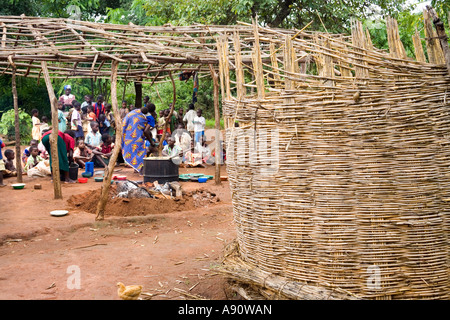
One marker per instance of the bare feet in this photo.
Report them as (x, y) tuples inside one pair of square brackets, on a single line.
[(2, 185), (70, 181)]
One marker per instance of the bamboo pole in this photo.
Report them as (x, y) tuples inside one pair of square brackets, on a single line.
[(17, 128), (418, 49), (54, 134), (257, 63), (117, 146), (218, 146)]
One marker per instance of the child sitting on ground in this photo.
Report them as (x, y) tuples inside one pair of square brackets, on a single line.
[(103, 153), (41, 147), (82, 154), (10, 168), (193, 158), (33, 159), (172, 150), (94, 138), (26, 152)]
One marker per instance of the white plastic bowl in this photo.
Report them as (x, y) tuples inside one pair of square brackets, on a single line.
[(59, 213)]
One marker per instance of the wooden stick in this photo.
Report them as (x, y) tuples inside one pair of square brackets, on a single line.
[(54, 134), (17, 128), (117, 147), (160, 146), (218, 146)]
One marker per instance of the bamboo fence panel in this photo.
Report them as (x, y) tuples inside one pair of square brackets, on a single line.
[(340, 177)]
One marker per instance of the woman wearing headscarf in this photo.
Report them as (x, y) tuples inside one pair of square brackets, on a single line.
[(135, 131), (67, 97)]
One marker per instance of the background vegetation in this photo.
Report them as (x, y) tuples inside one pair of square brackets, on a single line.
[(333, 16)]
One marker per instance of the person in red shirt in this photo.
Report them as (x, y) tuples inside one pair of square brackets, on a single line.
[(99, 107), (65, 145), (103, 153)]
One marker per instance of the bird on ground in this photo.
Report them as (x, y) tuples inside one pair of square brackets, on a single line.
[(129, 292)]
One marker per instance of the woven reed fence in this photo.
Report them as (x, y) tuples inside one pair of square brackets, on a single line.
[(339, 169)]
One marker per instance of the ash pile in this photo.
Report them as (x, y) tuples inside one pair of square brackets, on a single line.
[(138, 190)]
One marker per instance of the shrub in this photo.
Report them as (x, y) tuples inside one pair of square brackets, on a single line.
[(7, 126)]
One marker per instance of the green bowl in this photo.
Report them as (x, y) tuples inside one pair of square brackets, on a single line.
[(86, 174), (18, 185), (98, 179)]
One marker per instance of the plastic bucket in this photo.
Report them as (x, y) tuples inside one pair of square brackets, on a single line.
[(90, 167), (73, 171)]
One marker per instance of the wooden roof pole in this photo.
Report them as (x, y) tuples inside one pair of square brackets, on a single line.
[(117, 145), (54, 134), (160, 145), (54, 108), (217, 135), (16, 127)]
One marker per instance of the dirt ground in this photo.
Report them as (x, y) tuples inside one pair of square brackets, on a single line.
[(171, 249)]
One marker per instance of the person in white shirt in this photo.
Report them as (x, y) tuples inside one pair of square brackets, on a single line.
[(67, 97), (188, 119), (93, 138), (182, 138), (76, 122), (199, 127)]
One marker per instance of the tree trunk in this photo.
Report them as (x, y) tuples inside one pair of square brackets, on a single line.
[(439, 25), (218, 147), (117, 146), (138, 90), (54, 134), (17, 128)]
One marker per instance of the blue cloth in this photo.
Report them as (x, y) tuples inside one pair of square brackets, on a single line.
[(133, 143), (151, 121), (79, 132), (199, 136), (1, 146)]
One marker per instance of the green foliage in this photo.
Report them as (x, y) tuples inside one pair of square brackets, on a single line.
[(7, 125), (30, 95)]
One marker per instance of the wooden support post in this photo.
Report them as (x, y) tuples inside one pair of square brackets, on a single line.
[(54, 134), (17, 127), (117, 145), (442, 35), (160, 146), (138, 99), (218, 146)]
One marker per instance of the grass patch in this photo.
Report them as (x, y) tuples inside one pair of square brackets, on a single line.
[(210, 124)]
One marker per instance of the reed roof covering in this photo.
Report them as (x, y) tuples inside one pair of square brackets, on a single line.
[(84, 49)]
